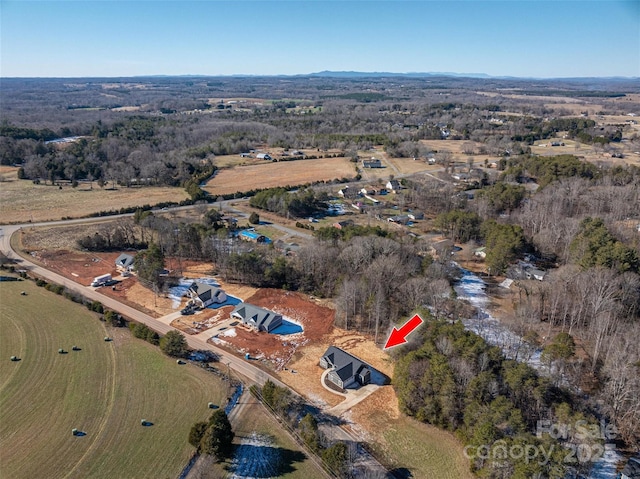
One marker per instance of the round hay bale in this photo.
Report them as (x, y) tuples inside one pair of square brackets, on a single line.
[(76, 348), (143, 422), (211, 405), (14, 358), (74, 431), (107, 338), (61, 351)]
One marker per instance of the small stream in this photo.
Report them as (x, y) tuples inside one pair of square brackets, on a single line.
[(472, 288)]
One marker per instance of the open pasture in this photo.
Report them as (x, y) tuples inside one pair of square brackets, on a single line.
[(22, 201), (407, 445), (104, 390), (282, 173)]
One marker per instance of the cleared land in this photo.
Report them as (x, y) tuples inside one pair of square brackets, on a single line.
[(22, 201), (401, 440), (104, 390), (277, 350), (282, 173)]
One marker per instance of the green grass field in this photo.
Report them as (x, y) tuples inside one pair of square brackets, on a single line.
[(104, 390), (424, 450)]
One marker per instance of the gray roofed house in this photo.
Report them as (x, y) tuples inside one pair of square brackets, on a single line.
[(632, 469), (347, 192), (394, 185), (124, 262), (203, 294), (534, 273), (346, 370), (258, 318), (399, 219), (372, 163)]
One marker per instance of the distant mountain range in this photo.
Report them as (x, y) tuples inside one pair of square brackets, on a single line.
[(353, 74)]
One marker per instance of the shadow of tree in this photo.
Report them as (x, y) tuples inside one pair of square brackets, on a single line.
[(264, 461), (323, 417), (401, 473)]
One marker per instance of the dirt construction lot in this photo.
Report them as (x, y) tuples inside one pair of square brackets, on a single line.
[(274, 349)]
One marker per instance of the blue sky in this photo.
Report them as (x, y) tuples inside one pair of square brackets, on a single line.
[(124, 38)]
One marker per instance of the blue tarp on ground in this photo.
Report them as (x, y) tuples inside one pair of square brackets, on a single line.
[(231, 301), (287, 327)]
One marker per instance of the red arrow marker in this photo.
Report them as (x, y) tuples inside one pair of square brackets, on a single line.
[(398, 336)]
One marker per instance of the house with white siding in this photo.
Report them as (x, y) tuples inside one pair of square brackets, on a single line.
[(203, 295)]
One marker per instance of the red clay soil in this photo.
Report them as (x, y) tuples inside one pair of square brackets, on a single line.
[(316, 321), (83, 267), (79, 267), (203, 320)]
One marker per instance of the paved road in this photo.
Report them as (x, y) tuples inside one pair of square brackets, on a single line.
[(365, 460)]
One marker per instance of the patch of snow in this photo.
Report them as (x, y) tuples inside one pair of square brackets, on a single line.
[(176, 293), (256, 457), (512, 345), (317, 400), (605, 467), (361, 433), (234, 399), (471, 288), (229, 333)]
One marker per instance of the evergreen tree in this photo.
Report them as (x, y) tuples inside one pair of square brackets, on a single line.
[(173, 344), (217, 440), (197, 433)]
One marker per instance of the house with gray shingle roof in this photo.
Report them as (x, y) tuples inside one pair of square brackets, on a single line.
[(203, 294), (346, 370), (124, 262), (257, 318)]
